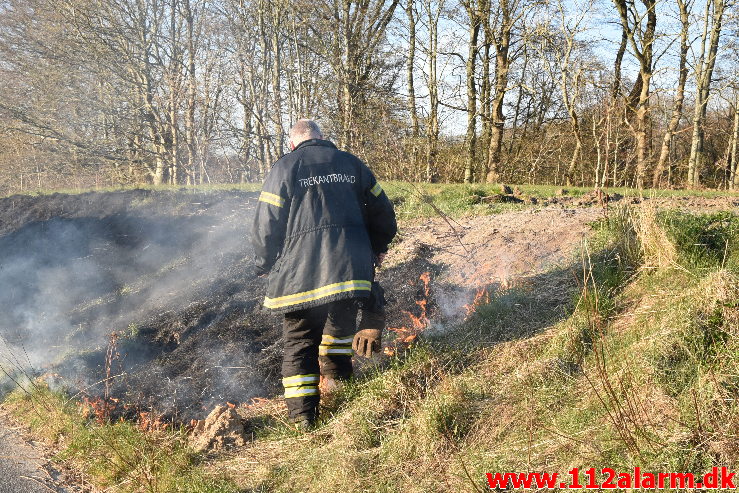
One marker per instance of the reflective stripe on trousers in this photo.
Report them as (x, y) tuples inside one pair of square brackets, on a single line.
[(335, 346), (301, 385)]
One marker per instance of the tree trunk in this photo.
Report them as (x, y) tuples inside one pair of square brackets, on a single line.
[(409, 68), (734, 154), (190, 129), (498, 118), (432, 129), (677, 109), (471, 137), (704, 73), (642, 44), (276, 89), (502, 64), (485, 89)]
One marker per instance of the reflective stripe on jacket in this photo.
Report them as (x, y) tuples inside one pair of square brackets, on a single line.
[(320, 219)]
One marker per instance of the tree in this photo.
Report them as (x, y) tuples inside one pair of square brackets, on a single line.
[(411, 15), (684, 7), (348, 34), (712, 19), (734, 146), (499, 23), (640, 28), (473, 10), (571, 68), (433, 9)]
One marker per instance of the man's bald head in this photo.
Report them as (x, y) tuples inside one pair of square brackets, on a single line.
[(304, 130)]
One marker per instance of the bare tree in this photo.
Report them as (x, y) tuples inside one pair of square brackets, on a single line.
[(712, 19), (734, 146), (640, 28), (677, 109), (473, 10), (433, 10), (499, 22), (411, 15), (348, 34), (571, 68)]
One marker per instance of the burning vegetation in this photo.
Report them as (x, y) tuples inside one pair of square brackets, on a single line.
[(144, 304), (156, 321), (405, 335)]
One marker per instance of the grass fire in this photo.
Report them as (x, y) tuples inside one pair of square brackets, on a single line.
[(521, 337)]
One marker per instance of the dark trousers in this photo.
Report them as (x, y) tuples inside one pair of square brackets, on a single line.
[(318, 341)]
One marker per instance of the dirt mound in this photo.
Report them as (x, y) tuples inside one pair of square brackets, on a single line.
[(222, 428), (500, 248)]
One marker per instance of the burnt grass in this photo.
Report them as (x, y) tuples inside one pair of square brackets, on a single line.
[(148, 299)]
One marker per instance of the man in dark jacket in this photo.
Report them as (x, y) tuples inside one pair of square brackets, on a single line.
[(322, 220)]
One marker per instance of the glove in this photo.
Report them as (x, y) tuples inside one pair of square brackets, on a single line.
[(368, 339)]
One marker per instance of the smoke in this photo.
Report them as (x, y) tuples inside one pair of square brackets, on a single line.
[(170, 281)]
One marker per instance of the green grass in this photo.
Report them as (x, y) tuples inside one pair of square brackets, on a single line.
[(115, 455), (412, 199), (703, 241), (426, 200)]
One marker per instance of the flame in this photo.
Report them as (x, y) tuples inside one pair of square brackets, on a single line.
[(482, 297), (505, 283), (408, 334), (98, 408), (258, 402), (149, 421)]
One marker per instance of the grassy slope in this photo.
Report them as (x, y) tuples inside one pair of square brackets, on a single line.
[(120, 455), (644, 371)]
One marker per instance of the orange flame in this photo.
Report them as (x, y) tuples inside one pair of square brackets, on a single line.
[(151, 422), (408, 334), (482, 297), (98, 408)]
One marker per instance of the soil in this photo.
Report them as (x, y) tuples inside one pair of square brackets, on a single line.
[(222, 428), (485, 250), (149, 300)]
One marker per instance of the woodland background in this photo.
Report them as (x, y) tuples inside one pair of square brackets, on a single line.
[(635, 93)]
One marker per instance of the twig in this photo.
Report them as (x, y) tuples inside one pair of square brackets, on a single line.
[(83, 391), (697, 412), (469, 476)]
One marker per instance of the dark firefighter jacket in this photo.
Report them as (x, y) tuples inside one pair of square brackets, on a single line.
[(320, 219)]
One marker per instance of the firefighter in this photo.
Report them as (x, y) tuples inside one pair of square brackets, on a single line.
[(322, 221)]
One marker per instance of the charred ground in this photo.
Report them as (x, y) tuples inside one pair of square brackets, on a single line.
[(149, 299), (168, 272)]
